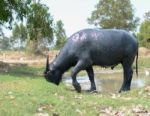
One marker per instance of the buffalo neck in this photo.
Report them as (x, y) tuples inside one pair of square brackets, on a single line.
[(63, 62)]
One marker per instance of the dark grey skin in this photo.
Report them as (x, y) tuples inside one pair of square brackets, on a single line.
[(88, 47)]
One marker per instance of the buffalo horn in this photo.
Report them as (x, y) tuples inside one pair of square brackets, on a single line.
[(47, 64)]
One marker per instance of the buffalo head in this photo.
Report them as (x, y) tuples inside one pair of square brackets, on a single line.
[(51, 74)]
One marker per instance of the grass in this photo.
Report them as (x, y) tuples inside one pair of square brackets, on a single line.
[(24, 92)]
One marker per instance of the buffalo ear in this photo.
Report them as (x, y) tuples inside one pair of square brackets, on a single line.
[(51, 67), (52, 72)]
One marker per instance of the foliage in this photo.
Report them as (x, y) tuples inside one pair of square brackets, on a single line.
[(5, 43), (39, 25), (19, 35), (39, 22), (144, 32), (10, 7), (60, 34), (147, 16), (38, 34), (11, 10), (114, 14)]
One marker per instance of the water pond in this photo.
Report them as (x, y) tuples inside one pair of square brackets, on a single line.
[(111, 81)]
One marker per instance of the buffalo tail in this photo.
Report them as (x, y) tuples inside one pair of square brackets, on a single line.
[(137, 64)]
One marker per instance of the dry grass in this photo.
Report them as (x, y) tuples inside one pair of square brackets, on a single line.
[(14, 57), (144, 52)]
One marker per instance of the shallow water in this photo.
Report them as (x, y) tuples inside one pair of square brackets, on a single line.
[(111, 82)]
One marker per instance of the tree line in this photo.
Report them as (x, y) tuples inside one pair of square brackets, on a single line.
[(34, 30), (33, 27)]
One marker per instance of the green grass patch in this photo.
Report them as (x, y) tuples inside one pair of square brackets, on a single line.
[(24, 92), (30, 96)]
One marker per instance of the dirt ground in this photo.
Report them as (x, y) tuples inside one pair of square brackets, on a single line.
[(144, 52), (16, 57)]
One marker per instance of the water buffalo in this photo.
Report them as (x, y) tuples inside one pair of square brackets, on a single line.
[(88, 47)]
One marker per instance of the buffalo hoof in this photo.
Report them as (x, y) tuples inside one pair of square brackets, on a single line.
[(92, 91), (124, 90), (77, 87)]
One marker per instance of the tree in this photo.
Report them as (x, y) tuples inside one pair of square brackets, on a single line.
[(40, 27), (117, 14), (5, 43), (144, 31), (10, 7), (60, 34), (19, 35), (147, 16)]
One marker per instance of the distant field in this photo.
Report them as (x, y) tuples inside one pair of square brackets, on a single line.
[(10, 59), (22, 57), (14, 57)]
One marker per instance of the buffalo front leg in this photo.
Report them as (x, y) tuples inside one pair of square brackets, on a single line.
[(91, 78), (81, 65)]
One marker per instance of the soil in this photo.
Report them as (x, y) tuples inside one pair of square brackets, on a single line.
[(144, 52), (22, 58)]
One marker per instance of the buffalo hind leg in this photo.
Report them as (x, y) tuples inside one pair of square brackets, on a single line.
[(81, 65), (128, 73), (90, 73)]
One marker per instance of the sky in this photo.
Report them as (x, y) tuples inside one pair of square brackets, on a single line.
[(74, 13)]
